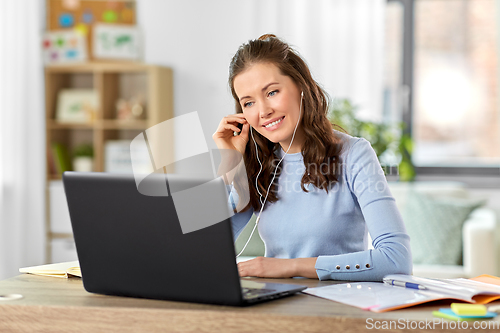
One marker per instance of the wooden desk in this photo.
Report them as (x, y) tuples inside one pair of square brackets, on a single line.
[(62, 305)]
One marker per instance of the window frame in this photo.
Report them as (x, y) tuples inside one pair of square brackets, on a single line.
[(423, 172)]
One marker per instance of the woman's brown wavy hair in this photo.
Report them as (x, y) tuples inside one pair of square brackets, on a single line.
[(321, 149)]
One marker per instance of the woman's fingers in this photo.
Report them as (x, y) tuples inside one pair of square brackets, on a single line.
[(236, 115), (229, 120), (245, 130), (232, 128), (224, 135), (267, 267), (229, 123), (226, 129)]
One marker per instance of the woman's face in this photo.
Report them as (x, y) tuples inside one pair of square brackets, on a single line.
[(270, 102)]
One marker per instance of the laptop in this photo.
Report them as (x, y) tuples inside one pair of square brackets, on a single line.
[(130, 244)]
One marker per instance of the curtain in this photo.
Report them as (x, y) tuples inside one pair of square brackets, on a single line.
[(342, 41), (22, 136)]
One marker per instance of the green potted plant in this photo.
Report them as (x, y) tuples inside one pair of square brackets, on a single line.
[(384, 138), (83, 159)]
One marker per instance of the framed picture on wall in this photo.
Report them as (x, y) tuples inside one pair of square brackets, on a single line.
[(76, 105), (114, 41), (64, 46)]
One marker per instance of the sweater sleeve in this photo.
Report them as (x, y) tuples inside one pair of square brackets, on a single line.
[(391, 252), (238, 220)]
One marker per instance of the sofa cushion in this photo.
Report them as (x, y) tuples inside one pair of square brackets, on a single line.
[(401, 190), (434, 224)]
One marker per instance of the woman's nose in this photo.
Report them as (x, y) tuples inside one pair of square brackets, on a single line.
[(265, 110)]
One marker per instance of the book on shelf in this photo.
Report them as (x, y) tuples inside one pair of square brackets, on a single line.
[(393, 294), (59, 270)]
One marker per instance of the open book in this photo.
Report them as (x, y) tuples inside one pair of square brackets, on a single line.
[(61, 270), (381, 297)]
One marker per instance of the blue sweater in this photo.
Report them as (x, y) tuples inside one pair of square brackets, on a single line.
[(334, 226)]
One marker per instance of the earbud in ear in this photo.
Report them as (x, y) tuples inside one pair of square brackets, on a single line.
[(302, 94)]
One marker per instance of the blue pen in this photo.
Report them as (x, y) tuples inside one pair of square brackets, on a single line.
[(405, 284)]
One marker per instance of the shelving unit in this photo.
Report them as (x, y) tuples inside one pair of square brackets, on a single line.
[(111, 81)]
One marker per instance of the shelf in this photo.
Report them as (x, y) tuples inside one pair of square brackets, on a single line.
[(51, 124), (60, 235), (112, 81), (113, 124), (124, 124), (98, 66)]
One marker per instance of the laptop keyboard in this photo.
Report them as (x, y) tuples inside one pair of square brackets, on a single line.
[(255, 292)]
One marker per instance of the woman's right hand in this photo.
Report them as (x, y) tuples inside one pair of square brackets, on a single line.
[(224, 135)]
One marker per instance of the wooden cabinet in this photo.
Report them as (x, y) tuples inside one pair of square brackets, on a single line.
[(110, 81)]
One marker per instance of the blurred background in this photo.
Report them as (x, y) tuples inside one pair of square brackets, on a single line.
[(418, 78)]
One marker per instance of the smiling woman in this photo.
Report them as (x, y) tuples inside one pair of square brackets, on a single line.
[(275, 83), (316, 191)]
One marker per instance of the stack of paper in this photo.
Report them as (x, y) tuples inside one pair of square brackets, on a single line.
[(60, 270), (463, 312)]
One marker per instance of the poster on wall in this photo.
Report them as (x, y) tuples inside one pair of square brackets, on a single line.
[(69, 13), (64, 46), (77, 105), (113, 41), (83, 14)]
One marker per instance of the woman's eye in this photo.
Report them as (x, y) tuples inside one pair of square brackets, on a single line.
[(272, 93), (247, 104)]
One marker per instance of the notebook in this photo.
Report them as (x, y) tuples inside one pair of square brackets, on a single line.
[(130, 244), (59, 270), (382, 297)]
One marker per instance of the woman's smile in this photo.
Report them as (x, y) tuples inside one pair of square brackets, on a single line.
[(273, 124)]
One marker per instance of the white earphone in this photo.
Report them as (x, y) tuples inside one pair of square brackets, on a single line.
[(262, 203)]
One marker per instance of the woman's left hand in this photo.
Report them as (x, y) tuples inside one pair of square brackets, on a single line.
[(265, 267)]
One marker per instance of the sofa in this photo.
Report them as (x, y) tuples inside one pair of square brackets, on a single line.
[(464, 232)]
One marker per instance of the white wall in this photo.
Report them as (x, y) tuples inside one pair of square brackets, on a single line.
[(341, 40), (197, 39)]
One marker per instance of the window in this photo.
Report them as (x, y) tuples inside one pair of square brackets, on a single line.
[(442, 79)]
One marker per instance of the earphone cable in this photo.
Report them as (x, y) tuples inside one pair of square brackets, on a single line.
[(258, 174)]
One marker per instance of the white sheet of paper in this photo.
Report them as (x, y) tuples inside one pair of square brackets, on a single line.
[(58, 268), (374, 296)]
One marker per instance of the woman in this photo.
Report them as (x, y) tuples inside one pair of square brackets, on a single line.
[(317, 192)]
